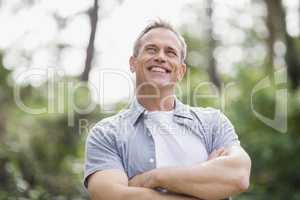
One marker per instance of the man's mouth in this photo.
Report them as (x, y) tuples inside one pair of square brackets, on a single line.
[(159, 69)]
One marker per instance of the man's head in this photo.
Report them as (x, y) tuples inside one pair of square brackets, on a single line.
[(164, 25), (158, 55)]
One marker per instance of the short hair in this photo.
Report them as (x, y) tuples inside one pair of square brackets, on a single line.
[(160, 24)]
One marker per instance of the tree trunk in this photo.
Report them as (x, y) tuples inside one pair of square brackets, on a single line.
[(93, 14), (292, 56), (275, 23), (212, 68)]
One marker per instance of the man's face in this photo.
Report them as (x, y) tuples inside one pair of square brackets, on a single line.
[(159, 60)]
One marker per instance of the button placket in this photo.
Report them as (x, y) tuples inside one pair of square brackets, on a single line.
[(152, 159), (147, 128)]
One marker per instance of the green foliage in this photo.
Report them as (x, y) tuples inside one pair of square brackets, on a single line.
[(41, 156)]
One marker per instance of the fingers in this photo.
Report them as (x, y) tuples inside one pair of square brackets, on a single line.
[(134, 182), (213, 155), (217, 153), (221, 151)]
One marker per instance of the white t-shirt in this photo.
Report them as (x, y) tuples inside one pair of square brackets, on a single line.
[(175, 145)]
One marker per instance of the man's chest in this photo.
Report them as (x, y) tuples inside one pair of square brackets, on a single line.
[(145, 149)]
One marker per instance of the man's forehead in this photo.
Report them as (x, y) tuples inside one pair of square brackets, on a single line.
[(161, 34)]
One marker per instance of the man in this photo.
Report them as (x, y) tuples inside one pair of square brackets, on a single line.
[(160, 148)]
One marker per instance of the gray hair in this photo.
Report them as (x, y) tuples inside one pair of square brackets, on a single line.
[(160, 24)]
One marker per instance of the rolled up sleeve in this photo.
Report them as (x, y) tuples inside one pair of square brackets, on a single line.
[(100, 152), (224, 134)]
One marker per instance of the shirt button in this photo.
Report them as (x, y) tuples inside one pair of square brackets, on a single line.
[(151, 160)]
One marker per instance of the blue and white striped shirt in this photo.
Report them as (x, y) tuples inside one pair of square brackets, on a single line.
[(123, 141)]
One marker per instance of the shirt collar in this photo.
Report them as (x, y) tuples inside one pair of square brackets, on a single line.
[(137, 110)]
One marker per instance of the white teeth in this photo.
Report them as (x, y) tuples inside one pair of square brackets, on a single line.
[(158, 69)]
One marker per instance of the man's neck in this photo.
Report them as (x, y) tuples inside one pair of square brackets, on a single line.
[(165, 103)]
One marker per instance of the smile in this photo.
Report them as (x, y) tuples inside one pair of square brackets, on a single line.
[(159, 69)]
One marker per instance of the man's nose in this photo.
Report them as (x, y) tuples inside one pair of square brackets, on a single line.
[(160, 57)]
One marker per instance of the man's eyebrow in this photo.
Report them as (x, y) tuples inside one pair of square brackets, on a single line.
[(168, 47), (150, 45)]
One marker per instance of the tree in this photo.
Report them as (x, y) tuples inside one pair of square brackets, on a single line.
[(277, 28), (93, 15), (275, 24), (212, 68)]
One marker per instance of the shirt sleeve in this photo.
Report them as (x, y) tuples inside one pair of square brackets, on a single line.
[(224, 134), (100, 152)]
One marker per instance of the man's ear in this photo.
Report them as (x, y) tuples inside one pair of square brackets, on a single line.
[(181, 72), (132, 63)]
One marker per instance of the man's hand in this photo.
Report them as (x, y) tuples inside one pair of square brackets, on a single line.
[(150, 178), (147, 179), (225, 173), (218, 153)]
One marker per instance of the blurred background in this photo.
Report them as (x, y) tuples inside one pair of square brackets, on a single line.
[(64, 66)]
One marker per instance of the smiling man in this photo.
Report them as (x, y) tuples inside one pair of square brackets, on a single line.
[(160, 148)]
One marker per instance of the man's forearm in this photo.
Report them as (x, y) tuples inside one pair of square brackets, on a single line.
[(121, 192), (207, 183), (138, 193), (215, 179)]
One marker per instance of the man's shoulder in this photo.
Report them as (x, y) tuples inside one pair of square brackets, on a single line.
[(204, 112), (112, 123), (207, 116), (113, 119)]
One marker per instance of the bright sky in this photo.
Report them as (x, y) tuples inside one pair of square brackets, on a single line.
[(115, 39), (118, 26), (34, 32)]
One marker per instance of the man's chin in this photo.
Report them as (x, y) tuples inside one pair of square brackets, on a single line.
[(162, 84)]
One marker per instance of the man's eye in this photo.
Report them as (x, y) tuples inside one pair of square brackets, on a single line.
[(172, 53), (151, 50)]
